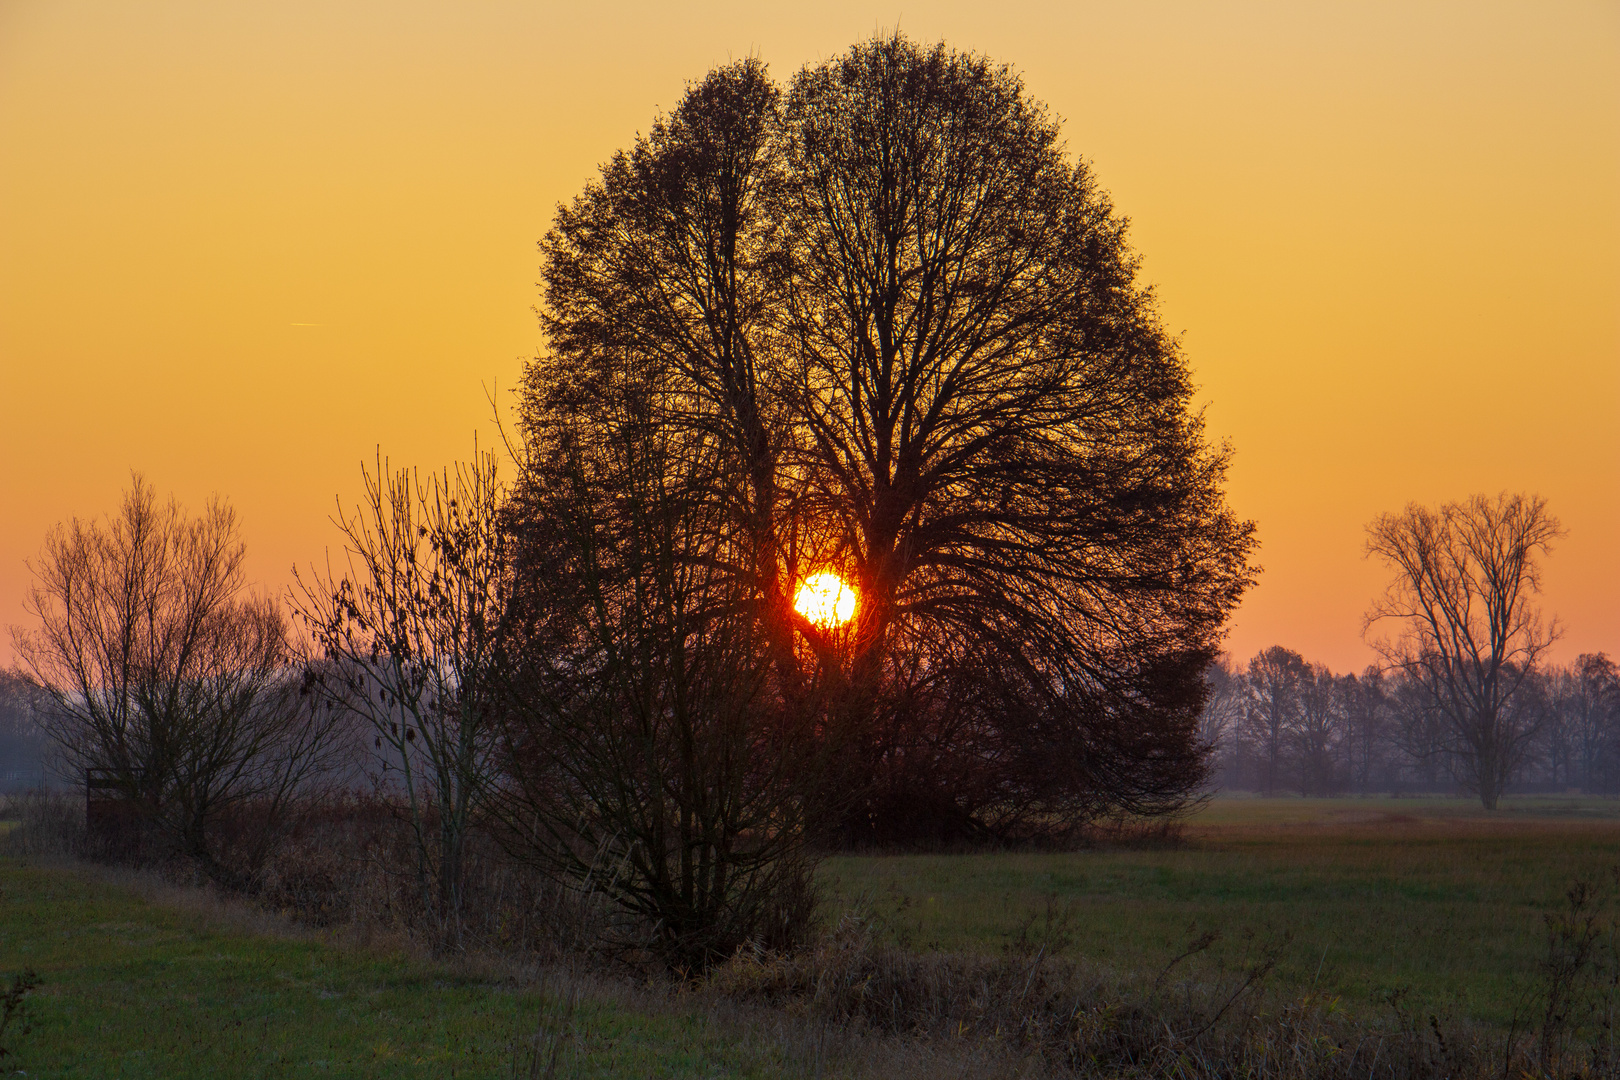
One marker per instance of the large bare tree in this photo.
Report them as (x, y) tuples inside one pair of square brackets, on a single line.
[(912, 321), (1468, 634), (168, 678), (996, 422)]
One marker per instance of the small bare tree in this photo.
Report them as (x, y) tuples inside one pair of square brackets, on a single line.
[(1591, 703), (1469, 635), (1275, 679), (646, 756), (1318, 731), (161, 671), (1365, 705), (408, 638), (1220, 722)]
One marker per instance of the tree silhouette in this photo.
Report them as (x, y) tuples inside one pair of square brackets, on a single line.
[(407, 636), (163, 675), (1470, 637), (1275, 677), (644, 750), (913, 324)]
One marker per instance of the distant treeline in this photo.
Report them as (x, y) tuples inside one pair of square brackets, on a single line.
[(1280, 724), (22, 745)]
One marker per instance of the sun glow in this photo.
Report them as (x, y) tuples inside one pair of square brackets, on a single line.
[(825, 600)]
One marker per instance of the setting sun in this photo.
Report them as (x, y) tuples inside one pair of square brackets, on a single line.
[(825, 600)]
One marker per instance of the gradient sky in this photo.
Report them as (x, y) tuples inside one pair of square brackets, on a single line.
[(243, 245)]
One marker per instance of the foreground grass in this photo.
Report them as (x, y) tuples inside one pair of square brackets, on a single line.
[(1435, 898), (1430, 897), (133, 989)]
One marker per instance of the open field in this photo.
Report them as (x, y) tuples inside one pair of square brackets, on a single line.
[(136, 989), (1431, 895)]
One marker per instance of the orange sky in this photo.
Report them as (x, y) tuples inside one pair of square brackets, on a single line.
[(242, 245)]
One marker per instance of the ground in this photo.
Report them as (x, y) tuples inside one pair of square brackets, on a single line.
[(1372, 896)]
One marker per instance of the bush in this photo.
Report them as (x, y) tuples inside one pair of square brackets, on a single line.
[(350, 860)]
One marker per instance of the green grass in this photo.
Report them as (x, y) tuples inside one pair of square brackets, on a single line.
[(1377, 894), (1432, 895), (134, 990)]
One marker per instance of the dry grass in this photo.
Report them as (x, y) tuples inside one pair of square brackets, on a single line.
[(1194, 1018)]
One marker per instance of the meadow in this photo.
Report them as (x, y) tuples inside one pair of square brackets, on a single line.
[(1362, 897), (136, 983), (1359, 898)]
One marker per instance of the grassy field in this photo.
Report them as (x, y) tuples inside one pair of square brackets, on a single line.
[(1374, 895), (135, 989)]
